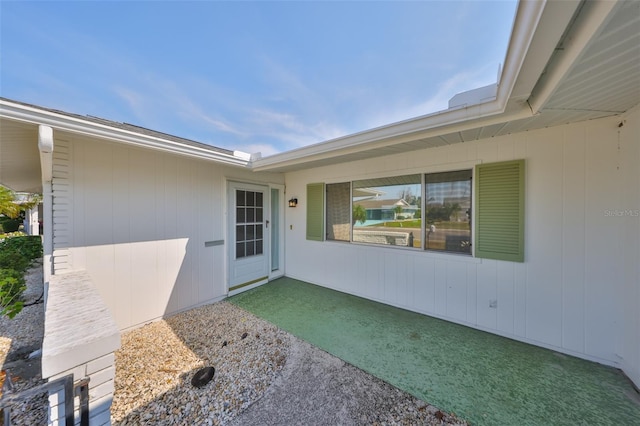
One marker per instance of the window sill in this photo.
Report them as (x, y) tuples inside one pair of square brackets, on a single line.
[(450, 256)]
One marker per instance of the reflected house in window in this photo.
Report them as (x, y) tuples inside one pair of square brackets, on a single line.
[(379, 211)]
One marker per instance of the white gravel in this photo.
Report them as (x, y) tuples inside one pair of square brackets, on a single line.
[(155, 365)]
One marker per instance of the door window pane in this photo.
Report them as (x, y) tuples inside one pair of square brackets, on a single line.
[(240, 233), (251, 198), (240, 198), (249, 223)]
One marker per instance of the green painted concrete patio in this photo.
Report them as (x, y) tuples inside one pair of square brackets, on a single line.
[(482, 378)]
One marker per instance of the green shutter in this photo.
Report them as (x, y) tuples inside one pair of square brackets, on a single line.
[(499, 213), (315, 211)]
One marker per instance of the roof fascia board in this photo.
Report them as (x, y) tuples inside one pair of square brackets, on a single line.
[(397, 138), (37, 116), (540, 36), (526, 21)]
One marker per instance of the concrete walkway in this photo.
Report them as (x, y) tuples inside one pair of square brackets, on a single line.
[(483, 378)]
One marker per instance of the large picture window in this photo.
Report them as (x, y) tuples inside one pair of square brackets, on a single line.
[(448, 211), (430, 211), (387, 211)]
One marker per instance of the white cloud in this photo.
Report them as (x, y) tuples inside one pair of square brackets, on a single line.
[(132, 98), (290, 129)]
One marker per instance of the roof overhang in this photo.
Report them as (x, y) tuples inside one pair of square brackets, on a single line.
[(23, 158), (28, 114), (549, 43), (19, 157)]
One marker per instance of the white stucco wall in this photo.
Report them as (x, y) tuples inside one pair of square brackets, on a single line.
[(578, 290), (137, 221)]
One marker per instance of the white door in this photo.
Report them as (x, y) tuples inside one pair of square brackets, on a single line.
[(249, 241)]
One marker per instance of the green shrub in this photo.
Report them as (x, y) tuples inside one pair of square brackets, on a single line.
[(19, 252), (30, 246), (9, 225), (12, 285), (11, 258)]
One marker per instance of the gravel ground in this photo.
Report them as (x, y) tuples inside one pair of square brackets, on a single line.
[(263, 376), (19, 337), (155, 365)]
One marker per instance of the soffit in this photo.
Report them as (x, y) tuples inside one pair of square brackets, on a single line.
[(20, 157), (606, 79)]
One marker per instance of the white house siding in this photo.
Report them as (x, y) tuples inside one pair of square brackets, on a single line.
[(578, 290), (628, 348), (139, 222)]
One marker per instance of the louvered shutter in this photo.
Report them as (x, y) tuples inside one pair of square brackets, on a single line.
[(315, 211), (499, 213)]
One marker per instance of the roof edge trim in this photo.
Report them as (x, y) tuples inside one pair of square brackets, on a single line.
[(24, 113)]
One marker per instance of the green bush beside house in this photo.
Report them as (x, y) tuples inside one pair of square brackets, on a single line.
[(17, 253)]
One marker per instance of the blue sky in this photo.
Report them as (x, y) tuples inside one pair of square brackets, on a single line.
[(254, 76)]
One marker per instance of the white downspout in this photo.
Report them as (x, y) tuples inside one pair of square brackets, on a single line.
[(45, 145)]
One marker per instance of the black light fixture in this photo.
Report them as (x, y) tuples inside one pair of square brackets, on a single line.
[(293, 202)]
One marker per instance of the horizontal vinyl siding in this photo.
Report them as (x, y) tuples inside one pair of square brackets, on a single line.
[(565, 295), (62, 206)]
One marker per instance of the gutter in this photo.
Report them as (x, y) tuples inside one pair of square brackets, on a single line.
[(75, 125), (397, 133)]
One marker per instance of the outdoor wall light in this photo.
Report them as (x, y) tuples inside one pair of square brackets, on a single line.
[(293, 202)]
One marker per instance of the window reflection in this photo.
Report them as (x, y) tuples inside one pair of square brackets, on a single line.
[(448, 211), (387, 211)]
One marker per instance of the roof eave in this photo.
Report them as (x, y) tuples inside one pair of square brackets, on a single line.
[(60, 122)]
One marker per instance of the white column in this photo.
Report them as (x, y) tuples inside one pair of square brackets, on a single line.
[(45, 145)]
